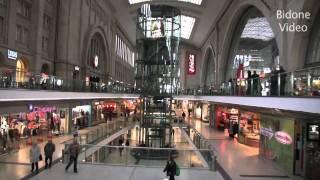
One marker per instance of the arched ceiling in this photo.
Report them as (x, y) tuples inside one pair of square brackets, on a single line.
[(205, 16)]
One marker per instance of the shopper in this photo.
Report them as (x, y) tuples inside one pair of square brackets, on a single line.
[(35, 156), (73, 150), (256, 86), (183, 115), (249, 80), (127, 142), (120, 144), (171, 168), (49, 149), (172, 132)]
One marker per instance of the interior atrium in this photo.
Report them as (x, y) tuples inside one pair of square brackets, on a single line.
[(160, 89)]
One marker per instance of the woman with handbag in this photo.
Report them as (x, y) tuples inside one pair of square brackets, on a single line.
[(35, 156)]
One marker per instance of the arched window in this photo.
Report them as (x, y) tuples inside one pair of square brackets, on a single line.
[(96, 52), (253, 46)]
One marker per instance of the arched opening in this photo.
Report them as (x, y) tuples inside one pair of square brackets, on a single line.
[(209, 70), (313, 54), (95, 62), (253, 53), (96, 52), (45, 68), (21, 70)]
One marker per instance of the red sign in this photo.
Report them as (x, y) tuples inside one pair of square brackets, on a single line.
[(191, 63), (283, 137)]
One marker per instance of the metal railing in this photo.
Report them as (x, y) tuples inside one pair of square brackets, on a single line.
[(304, 82), (144, 156), (28, 80)]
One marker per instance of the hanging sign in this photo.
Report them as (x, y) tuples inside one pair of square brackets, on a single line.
[(266, 132), (12, 54), (191, 63), (283, 137)]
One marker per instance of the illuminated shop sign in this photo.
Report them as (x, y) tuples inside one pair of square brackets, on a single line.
[(76, 68), (266, 132), (191, 68), (283, 137), (12, 54)]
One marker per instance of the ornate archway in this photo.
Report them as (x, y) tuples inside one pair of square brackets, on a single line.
[(253, 46)]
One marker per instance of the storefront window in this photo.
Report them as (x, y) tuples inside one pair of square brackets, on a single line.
[(249, 132), (81, 116), (277, 140)]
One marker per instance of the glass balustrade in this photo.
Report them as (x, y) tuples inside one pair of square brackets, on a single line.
[(305, 82), (29, 80), (144, 156)]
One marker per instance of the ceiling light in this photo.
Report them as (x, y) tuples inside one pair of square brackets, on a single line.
[(258, 28), (187, 24), (196, 2)]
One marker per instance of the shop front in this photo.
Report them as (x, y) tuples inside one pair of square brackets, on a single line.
[(38, 123), (249, 128), (81, 116), (312, 151), (226, 118), (103, 111), (277, 140)]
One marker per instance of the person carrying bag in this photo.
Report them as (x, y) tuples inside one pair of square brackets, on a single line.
[(172, 169)]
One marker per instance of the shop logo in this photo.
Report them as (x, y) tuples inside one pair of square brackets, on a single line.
[(266, 132), (191, 63), (283, 137), (12, 54)]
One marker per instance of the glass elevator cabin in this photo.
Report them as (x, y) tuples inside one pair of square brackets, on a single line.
[(158, 37)]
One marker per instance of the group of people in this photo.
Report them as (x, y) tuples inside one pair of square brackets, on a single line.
[(35, 155), (49, 149), (254, 88)]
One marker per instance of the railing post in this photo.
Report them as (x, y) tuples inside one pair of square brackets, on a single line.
[(292, 84), (279, 84), (309, 82)]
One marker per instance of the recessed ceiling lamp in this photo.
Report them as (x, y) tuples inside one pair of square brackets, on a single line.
[(196, 2)]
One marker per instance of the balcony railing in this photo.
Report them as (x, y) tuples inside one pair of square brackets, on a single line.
[(305, 82), (27, 80)]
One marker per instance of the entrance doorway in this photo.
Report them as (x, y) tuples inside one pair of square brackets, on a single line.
[(20, 71)]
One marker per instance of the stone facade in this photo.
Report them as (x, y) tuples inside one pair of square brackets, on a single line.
[(57, 36)]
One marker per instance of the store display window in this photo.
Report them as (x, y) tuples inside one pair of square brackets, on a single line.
[(249, 129), (81, 116)]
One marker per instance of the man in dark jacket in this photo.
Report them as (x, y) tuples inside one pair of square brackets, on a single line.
[(170, 168), (73, 150), (49, 149)]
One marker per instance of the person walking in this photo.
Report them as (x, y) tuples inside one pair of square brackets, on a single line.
[(73, 150), (49, 149), (183, 115), (35, 156), (172, 132), (121, 144), (170, 168)]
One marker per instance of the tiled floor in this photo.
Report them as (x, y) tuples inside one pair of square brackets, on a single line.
[(16, 165), (238, 159), (86, 171)]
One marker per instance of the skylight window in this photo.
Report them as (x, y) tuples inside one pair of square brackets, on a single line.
[(258, 28), (187, 24), (196, 2)]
